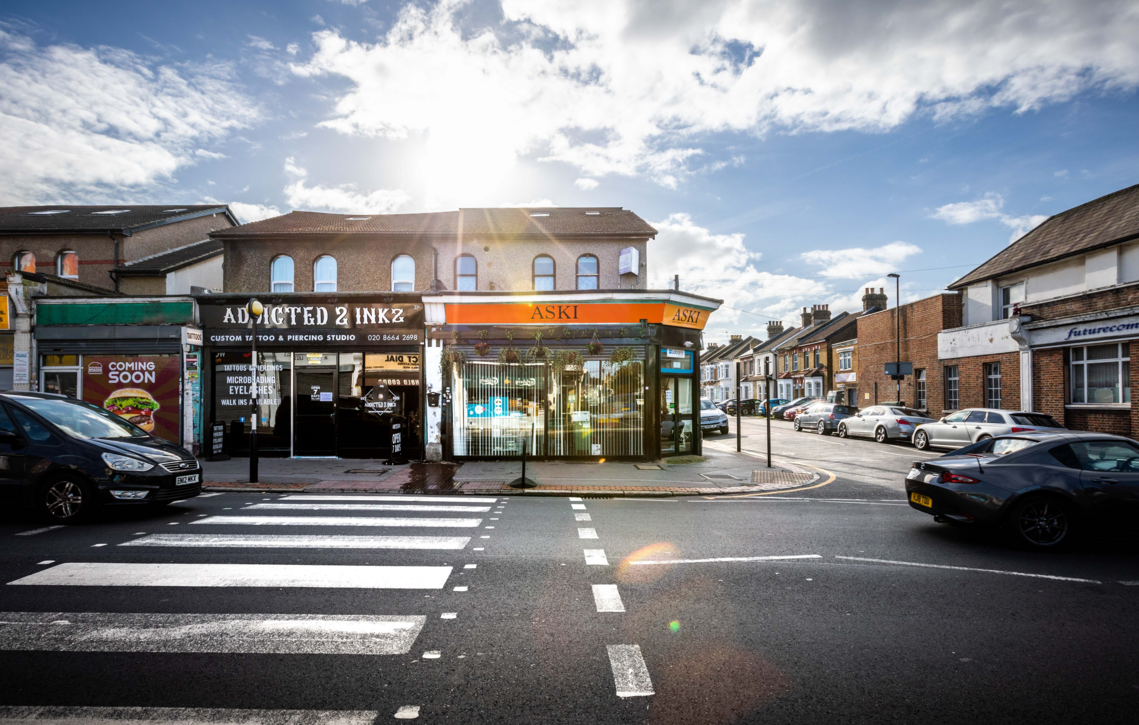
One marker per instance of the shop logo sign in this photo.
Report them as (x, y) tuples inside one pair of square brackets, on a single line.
[(95, 368), (554, 312), (1104, 330), (314, 316)]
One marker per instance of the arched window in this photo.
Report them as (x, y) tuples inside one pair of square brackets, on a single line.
[(67, 265), (587, 272), (24, 262), (282, 274), (324, 274), (466, 273), (403, 274), (543, 272)]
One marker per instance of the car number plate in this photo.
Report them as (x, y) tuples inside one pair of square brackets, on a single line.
[(922, 500), (186, 480)]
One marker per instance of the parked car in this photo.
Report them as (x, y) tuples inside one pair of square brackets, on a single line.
[(68, 458), (1043, 487), (973, 424), (747, 407), (723, 404), (761, 406), (712, 418), (823, 417), (883, 423), (777, 411), (792, 413)]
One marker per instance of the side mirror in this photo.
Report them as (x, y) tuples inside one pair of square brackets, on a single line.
[(941, 420)]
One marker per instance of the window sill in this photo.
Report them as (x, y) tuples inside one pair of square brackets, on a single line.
[(1098, 406)]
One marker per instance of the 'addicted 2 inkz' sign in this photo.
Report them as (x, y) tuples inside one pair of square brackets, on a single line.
[(348, 325)]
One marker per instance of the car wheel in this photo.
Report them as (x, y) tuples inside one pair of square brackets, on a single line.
[(921, 440), (1042, 523), (798, 425), (724, 431), (841, 430), (880, 435), (984, 438), (66, 501), (822, 428)]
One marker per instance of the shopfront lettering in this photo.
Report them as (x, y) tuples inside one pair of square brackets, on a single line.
[(686, 316), (1103, 330), (317, 315), (554, 312)]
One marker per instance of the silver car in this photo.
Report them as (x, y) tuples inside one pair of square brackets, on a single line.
[(883, 423), (973, 424)]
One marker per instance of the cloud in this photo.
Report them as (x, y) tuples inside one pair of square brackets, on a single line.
[(586, 184), (532, 204), (1062, 173), (260, 43), (988, 207), (292, 48), (342, 198), (634, 88), (317, 20), (859, 262), (349, 2), (89, 124), (202, 153), (247, 213)]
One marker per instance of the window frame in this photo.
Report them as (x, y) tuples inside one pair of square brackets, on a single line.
[(596, 276), (59, 264), (17, 258), (392, 275), (921, 401), (335, 274), (952, 387), (845, 360), (553, 275), (991, 371), (292, 281), (464, 276), (1006, 307), (1121, 359)]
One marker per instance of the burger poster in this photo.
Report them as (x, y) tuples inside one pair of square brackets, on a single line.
[(143, 389)]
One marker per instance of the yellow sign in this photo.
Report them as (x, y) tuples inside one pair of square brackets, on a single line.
[(391, 361), (4, 311), (685, 317)]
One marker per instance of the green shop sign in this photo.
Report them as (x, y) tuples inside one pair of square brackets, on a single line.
[(115, 313)]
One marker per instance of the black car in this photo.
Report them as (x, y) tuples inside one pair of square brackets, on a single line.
[(67, 458), (823, 417), (1044, 488), (747, 407)]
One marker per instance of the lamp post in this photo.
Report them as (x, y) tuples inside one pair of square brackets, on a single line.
[(255, 309), (767, 403), (897, 333)]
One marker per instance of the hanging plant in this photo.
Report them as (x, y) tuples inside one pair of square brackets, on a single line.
[(539, 351), (595, 347), (509, 355), (482, 347), (567, 363), (621, 355), (451, 359)]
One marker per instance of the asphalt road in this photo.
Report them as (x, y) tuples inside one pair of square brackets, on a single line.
[(881, 616)]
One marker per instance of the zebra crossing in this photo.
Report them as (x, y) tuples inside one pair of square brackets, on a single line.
[(409, 568)]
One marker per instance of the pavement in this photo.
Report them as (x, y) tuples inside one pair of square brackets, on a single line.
[(721, 471), (837, 603)]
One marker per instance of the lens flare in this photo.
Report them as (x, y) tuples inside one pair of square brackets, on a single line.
[(629, 574), (674, 626)]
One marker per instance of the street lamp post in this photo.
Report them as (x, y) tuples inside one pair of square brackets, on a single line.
[(767, 403), (897, 334), (255, 309)]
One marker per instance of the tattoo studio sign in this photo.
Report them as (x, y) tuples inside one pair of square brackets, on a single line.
[(340, 325)]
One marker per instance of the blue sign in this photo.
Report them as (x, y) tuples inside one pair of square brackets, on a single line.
[(496, 408)]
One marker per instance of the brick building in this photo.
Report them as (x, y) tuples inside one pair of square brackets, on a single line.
[(1048, 323), (918, 324)]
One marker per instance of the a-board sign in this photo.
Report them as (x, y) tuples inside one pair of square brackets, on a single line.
[(217, 438)]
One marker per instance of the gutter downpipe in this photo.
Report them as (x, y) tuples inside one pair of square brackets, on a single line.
[(114, 277)]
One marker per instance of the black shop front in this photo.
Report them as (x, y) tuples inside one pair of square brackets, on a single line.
[(332, 371)]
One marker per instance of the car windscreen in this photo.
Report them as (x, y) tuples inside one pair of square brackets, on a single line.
[(1036, 419), (909, 411), (83, 420), (707, 405), (846, 409)]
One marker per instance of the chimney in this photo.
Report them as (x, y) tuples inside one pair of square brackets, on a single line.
[(774, 328), (737, 338), (874, 300), (821, 313), (806, 318), (713, 345)]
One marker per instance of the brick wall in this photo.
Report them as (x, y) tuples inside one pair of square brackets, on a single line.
[(971, 380), (1103, 301), (1117, 422), (920, 322), (1050, 382)]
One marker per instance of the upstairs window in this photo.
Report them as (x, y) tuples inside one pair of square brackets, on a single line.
[(403, 274), (24, 262), (466, 273), (324, 274), (845, 360), (543, 273), (281, 273), (1101, 374), (1011, 296), (67, 265), (587, 274)]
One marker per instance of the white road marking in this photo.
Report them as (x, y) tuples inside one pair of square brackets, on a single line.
[(802, 499), (407, 712), (582, 517), (207, 495), (448, 615), (33, 532), (470, 566), (1130, 584), (175, 523), (239, 575), (45, 562), (183, 716), (587, 533), (478, 548), (967, 568), (724, 559), (460, 589), (252, 541), (432, 654), (434, 499), (489, 527), (336, 521), (630, 674), (596, 557), (574, 498), (96, 546), (577, 506), (607, 598), (138, 533), (212, 633), (366, 507)]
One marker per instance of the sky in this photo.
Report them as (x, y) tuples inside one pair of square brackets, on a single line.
[(789, 153)]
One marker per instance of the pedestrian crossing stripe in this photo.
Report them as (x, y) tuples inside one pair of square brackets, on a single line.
[(284, 541), (239, 575), (336, 521)]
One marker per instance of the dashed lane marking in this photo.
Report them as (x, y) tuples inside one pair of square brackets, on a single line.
[(587, 533), (596, 557), (967, 568), (607, 598), (577, 506), (407, 712), (630, 674), (44, 530), (582, 517)]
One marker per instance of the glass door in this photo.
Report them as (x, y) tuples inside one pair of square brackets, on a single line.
[(676, 424), (315, 423)]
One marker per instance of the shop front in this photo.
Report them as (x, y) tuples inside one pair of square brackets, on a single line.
[(565, 375), (139, 359), (334, 372)]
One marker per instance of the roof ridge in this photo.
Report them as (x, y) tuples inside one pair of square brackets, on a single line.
[(168, 251)]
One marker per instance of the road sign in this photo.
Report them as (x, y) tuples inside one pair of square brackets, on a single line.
[(907, 368)]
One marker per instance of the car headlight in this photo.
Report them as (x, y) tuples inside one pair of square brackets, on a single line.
[(126, 463)]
